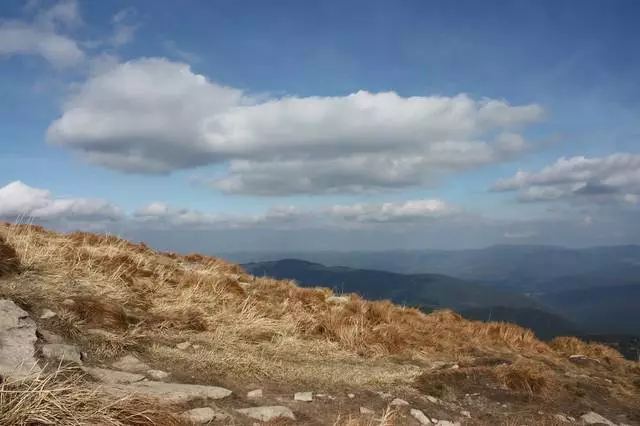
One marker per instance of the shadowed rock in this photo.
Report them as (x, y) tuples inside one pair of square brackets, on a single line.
[(17, 339)]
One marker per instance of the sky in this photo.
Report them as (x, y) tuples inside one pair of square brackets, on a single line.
[(336, 125)]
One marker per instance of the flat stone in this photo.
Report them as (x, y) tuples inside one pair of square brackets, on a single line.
[(130, 364), (561, 417), (398, 401), (184, 345), (303, 396), (112, 377), (47, 313), (367, 411), (432, 399), (157, 374), (17, 340), (466, 413), (592, 418), (200, 416), (350, 395), (264, 414), (420, 416), (177, 393), (62, 352), (255, 393), (49, 337)]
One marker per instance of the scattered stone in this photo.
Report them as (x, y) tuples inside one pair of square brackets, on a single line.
[(255, 393), (432, 399), (350, 395), (184, 345), (303, 396), (420, 416), (112, 377), (196, 347), (592, 418), (447, 423), (68, 302), (47, 313), (177, 393), (265, 414), (130, 364), (200, 416), (62, 352), (331, 397), (49, 337), (398, 401), (434, 420), (385, 395), (101, 333), (561, 417), (157, 374), (366, 411), (466, 413), (17, 339), (571, 419), (455, 367), (338, 299)]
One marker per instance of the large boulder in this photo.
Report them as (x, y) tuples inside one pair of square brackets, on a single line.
[(177, 393), (17, 339)]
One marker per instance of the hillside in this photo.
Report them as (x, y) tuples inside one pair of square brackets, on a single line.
[(428, 291), (199, 320)]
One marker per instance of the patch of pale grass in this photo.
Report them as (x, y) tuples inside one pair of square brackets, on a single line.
[(388, 418)]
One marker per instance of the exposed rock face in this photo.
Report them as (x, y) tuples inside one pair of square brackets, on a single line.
[(62, 352), (17, 339), (303, 396), (169, 392), (113, 377), (131, 364), (592, 418), (264, 414)]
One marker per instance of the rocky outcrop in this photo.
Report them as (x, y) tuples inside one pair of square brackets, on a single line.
[(17, 339), (169, 392)]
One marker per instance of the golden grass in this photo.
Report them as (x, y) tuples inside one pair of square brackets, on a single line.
[(62, 398), (9, 263)]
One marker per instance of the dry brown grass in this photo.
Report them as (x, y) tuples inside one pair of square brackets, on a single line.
[(388, 418), (260, 328), (9, 263), (63, 398)]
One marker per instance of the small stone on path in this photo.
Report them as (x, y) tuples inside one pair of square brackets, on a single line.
[(366, 411), (592, 418), (257, 393), (157, 374), (112, 376), (130, 364), (350, 395), (420, 416), (303, 396), (399, 401), (184, 345), (264, 414), (200, 416), (47, 313)]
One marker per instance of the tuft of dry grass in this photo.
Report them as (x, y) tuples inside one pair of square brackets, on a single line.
[(9, 263), (62, 398), (388, 418), (568, 346)]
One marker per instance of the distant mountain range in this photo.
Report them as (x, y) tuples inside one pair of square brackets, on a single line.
[(426, 291)]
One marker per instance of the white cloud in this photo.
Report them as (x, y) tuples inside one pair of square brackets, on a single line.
[(520, 235), (153, 115), (409, 211), (20, 200), (613, 178)]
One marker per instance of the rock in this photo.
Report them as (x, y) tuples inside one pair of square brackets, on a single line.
[(432, 399), (350, 395), (466, 413), (366, 411), (62, 352), (130, 364), (68, 302), (199, 416), (257, 393), (398, 401), (17, 339), (455, 367), (385, 395), (184, 345), (112, 377), (447, 423), (592, 418), (157, 374), (177, 393), (265, 414), (561, 418), (420, 416), (49, 337), (303, 396), (47, 313), (338, 299), (571, 419), (196, 347)]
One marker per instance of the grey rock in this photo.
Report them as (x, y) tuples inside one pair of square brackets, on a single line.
[(257, 393), (184, 345), (17, 339), (62, 352), (366, 411), (130, 364), (561, 418), (200, 416), (112, 376), (47, 313), (432, 399), (466, 413), (264, 414), (157, 374), (68, 302), (592, 418), (303, 396), (350, 395), (398, 401), (177, 393), (385, 395), (49, 337), (420, 416)]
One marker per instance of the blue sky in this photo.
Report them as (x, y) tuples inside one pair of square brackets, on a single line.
[(382, 124)]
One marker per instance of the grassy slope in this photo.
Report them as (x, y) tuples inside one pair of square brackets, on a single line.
[(259, 329)]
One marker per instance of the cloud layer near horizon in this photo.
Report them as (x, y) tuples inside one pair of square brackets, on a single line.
[(153, 115)]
